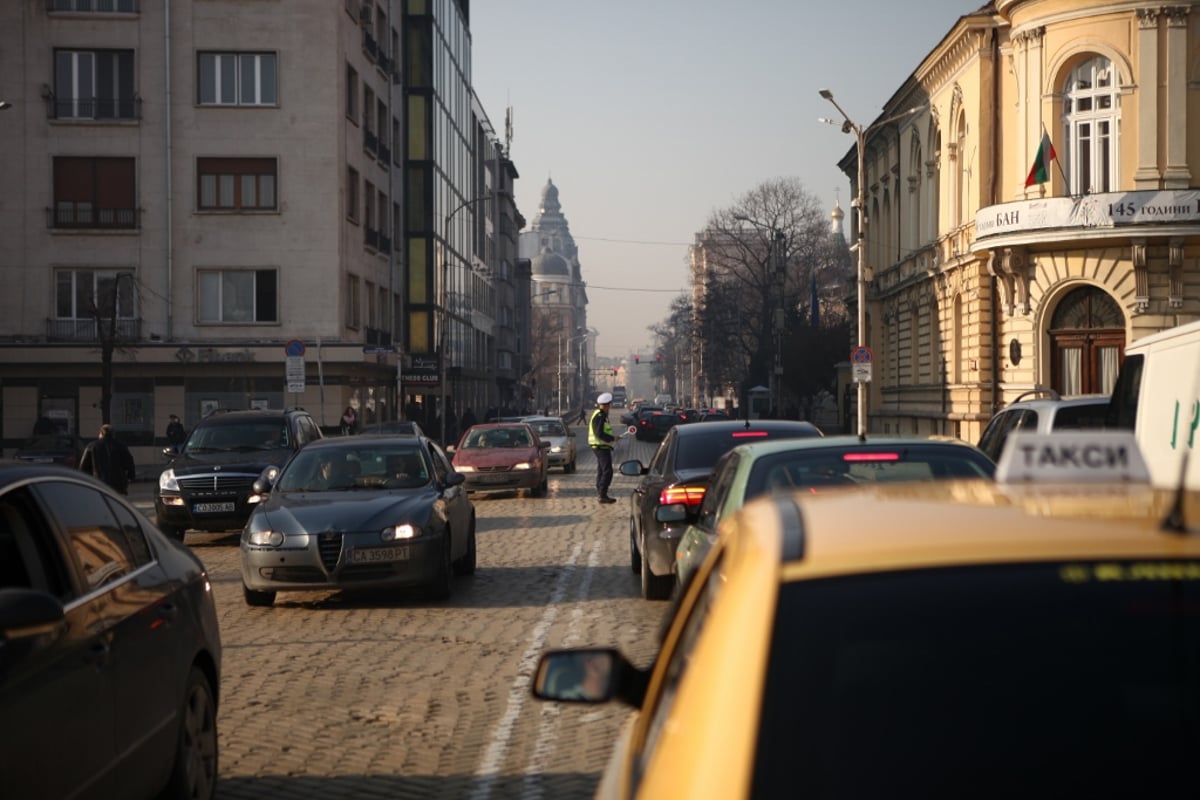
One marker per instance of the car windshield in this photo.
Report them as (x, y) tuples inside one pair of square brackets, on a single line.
[(705, 449), (827, 467), (498, 437), (381, 467), (49, 443), (550, 428), (1080, 677), (239, 437)]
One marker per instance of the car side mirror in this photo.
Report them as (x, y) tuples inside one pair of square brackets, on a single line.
[(454, 478), (28, 612), (633, 468), (170, 453), (544, 446), (675, 512)]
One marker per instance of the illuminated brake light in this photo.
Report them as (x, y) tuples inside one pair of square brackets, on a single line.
[(871, 457), (687, 495), (749, 434)]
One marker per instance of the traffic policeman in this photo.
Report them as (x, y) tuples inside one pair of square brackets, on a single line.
[(600, 439)]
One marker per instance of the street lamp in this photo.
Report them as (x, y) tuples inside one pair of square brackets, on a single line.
[(860, 203), (560, 362), (445, 311)]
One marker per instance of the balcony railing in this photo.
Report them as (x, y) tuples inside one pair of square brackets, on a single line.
[(385, 153), (93, 108), (372, 238), (385, 244), (94, 6), (370, 142), (86, 329), (385, 63), (370, 46), (84, 215), (377, 337)]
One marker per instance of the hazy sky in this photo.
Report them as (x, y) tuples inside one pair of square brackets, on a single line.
[(650, 114)]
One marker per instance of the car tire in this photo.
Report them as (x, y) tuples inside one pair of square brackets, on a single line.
[(194, 772), (256, 598), (542, 489), (570, 467), (443, 580), (466, 564), (635, 557), (655, 587)]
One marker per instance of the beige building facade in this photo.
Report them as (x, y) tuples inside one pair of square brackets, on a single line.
[(987, 280)]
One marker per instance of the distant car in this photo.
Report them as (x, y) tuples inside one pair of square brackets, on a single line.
[(208, 484), (503, 457), (393, 427), (711, 415), (51, 448), (669, 493), (110, 649), (359, 512), (946, 639), (653, 422), (1042, 411), (562, 452), (816, 465)]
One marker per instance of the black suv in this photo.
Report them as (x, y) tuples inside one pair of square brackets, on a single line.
[(210, 480)]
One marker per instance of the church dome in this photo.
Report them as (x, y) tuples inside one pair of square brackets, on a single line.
[(550, 263), (550, 198)]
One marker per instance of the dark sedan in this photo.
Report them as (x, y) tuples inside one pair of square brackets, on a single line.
[(678, 476), (359, 512), (51, 448), (110, 653)]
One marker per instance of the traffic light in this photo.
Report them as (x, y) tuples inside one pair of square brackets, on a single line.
[(614, 373), (637, 359)]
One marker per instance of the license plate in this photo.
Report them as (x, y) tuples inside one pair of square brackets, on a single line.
[(212, 508), (369, 555)]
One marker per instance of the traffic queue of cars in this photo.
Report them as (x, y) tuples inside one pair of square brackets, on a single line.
[(1033, 635)]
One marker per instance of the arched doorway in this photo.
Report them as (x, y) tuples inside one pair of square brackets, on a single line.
[(1087, 342)]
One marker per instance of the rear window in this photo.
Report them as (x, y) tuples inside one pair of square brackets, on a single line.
[(1079, 679), (816, 469), (1081, 416), (700, 451)]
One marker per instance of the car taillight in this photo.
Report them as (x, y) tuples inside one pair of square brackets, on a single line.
[(749, 434), (687, 495), (871, 457)]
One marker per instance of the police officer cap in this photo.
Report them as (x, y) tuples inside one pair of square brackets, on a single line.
[(604, 399)]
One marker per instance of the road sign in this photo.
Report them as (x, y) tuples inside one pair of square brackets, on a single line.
[(295, 374), (860, 373), (861, 355), (294, 348)]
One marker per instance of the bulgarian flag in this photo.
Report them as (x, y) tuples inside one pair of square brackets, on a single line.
[(1040, 171)]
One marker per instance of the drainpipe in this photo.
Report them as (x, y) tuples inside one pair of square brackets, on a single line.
[(992, 200), (168, 158)]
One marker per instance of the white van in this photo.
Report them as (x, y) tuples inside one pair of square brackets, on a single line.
[(1158, 396)]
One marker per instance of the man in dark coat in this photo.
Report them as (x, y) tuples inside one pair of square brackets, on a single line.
[(109, 460), (176, 435)]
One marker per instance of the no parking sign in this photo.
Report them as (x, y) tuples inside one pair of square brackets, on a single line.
[(860, 364)]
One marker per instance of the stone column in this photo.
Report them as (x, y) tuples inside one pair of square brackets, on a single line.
[(1177, 175), (1146, 176)]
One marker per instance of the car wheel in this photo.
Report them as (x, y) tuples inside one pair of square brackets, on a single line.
[(542, 489), (569, 467), (260, 599), (655, 587), (466, 564), (443, 579), (194, 773), (635, 558)]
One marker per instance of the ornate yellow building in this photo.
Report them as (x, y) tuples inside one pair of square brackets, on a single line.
[(986, 281)]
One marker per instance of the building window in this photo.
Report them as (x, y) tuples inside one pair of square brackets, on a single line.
[(352, 93), (238, 296), (95, 6), (371, 232), (353, 313), (1092, 115), (93, 84), (352, 194), (94, 193), (237, 79), (236, 184), (90, 293)]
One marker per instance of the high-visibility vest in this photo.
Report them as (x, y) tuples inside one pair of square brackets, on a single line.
[(593, 439)]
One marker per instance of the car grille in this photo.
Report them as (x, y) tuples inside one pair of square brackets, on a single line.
[(215, 483), (329, 545), (500, 468), (296, 574), (367, 572)]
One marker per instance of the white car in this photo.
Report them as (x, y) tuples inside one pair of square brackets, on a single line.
[(561, 439), (1043, 412)]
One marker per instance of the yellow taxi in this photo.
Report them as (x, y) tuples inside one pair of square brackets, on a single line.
[(1035, 636)]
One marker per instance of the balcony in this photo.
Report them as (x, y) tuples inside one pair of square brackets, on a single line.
[(385, 63), (372, 238), (92, 108), (84, 216), (377, 337), (385, 154), (385, 244), (85, 330), (370, 142), (370, 46), (94, 6)]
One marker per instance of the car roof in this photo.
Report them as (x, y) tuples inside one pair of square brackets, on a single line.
[(541, 419), (494, 425), (221, 416), (960, 522), (764, 447), (1058, 402), (356, 441), (733, 425)]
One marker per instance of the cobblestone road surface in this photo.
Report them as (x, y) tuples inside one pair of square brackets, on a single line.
[(330, 695)]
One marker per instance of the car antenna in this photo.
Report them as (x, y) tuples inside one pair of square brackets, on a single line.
[(1174, 522)]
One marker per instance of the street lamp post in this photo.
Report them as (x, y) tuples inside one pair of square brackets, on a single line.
[(860, 203), (445, 311)]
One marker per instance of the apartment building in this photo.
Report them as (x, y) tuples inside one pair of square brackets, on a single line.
[(206, 203), (991, 269)]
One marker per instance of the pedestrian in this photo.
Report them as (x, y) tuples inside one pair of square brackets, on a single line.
[(600, 439), (176, 435), (583, 415), (349, 421), (468, 419), (43, 426), (109, 460)]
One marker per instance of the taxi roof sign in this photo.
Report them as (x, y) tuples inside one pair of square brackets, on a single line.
[(1083, 456)]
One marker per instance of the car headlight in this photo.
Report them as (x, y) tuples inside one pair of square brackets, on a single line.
[(556, 448), (523, 465), (266, 538), (464, 468), (404, 531), (167, 482)]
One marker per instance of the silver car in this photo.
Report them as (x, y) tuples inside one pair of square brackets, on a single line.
[(561, 439)]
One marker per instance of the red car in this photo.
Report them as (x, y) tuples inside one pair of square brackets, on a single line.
[(502, 457)]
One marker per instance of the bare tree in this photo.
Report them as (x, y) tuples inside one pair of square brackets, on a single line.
[(543, 355), (110, 297)]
